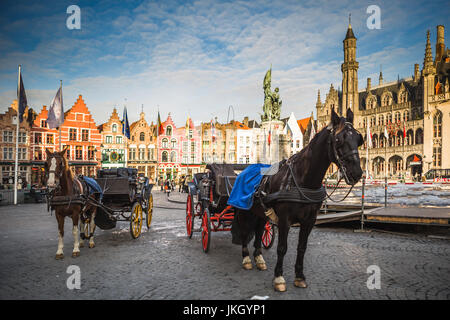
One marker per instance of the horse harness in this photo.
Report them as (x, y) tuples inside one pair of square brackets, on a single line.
[(301, 194), (81, 197)]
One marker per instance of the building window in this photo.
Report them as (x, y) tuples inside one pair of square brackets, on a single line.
[(142, 136), (7, 153), (173, 156), (141, 153), (68, 152), (38, 154), (79, 153), (84, 135), (173, 143), (22, 137), (164, 157), (114, 128), (151, 154), (132, 153), (169, 131), (7, 136), (119, 140), (406, 116), (43, 124), (73, 134), (437, 156), (50, 139), (437, 125), (108, 139), (165, 143), (91, 153), (38, 138)]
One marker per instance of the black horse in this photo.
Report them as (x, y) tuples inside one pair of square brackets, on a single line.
[(302, 172)]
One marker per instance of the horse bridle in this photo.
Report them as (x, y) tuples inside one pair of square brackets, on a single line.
[(340, 160)]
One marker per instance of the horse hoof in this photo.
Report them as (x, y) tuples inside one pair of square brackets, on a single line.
[(75, 254), (247, 266), (280, 287), (91, 245), (59, 256), (300, 283), (261, 266), (279, 284)]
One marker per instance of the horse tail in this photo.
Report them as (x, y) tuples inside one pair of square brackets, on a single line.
[(244, 224), (236, 229)]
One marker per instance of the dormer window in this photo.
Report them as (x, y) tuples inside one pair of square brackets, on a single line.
[(169, 131)]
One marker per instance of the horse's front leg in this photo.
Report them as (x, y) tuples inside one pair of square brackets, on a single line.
[(257, 254), (283, 230), (92, 229), (82, 232), (76, 237), (60, 251), (305, 230)]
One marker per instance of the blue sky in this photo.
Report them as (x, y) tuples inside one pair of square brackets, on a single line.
[(198, 57)]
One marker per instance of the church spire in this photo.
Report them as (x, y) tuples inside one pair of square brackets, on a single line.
[(350, 34), (428, 59), (380, 78), (319, 102)]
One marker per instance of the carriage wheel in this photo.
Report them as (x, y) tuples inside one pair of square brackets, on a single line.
[(149, 212), (136, 220), (189, 216), (268, 235), (206, 230)]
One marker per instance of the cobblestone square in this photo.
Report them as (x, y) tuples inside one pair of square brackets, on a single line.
[(164, 264)]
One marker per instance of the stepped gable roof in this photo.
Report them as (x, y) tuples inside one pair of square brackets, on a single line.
[(393, 87)]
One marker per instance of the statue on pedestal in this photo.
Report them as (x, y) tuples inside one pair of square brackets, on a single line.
[(272, 101)]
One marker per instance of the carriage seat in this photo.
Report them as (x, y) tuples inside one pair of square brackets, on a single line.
[(224, 185)]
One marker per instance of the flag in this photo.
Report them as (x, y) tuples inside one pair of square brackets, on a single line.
[(56, 113), (270, 136), (159, 127), (369, 136), (386, 135), (125, 125), (21, 98)]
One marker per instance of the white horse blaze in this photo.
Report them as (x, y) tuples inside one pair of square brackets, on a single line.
[(51, 175)]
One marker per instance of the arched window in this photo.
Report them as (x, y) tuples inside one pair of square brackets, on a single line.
[(386, 100), (437, 125), (165, 143), (173, 143), (389, 118), (402, 97), (173, 156), (381, 120), (406, 116), (169, 131), (142, 136), (165, 156), (419, 136), (397, 117), (114, 127)]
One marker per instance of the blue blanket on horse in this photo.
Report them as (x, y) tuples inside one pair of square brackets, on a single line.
[(93, 186), (244, 187)]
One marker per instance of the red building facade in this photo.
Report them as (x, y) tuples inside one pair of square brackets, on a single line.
[(78, 131)]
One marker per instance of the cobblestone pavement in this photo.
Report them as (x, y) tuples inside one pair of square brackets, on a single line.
[(164, 264)]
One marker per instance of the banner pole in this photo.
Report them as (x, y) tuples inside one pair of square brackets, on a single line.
[(17, 139)]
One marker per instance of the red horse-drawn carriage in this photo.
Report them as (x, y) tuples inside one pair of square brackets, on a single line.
[(207, 201)]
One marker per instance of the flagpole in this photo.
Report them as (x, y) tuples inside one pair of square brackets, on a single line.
[(17, 138), (59, 129)]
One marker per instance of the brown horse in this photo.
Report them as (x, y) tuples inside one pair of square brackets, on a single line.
[(302, 173), (71, 193)]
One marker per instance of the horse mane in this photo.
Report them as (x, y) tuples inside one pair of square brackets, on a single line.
[(67, 168)]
